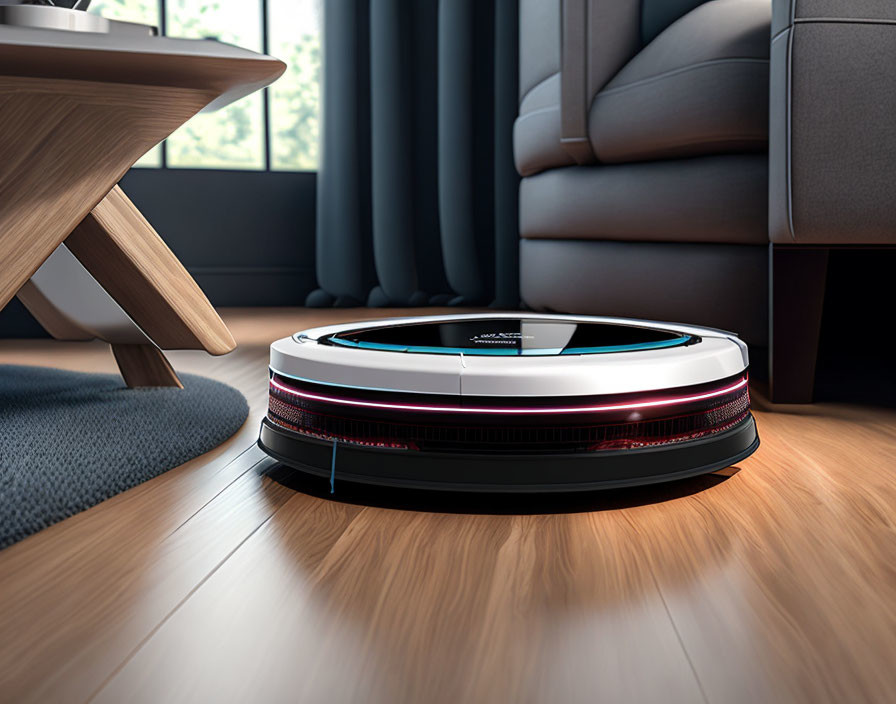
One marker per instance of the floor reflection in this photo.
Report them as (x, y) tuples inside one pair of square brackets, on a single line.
[(495, 503)]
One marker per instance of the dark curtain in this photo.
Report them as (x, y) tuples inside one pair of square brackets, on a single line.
[(417, 193)]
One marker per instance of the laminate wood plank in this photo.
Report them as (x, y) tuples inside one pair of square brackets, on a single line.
[(786, 591), (144, 365), (90, 627), (413, 607), (277, 576), (134, 265)]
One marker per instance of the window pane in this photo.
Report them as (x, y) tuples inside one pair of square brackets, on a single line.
[(233, 137), (152, 158), (142, 11), (294, 37)]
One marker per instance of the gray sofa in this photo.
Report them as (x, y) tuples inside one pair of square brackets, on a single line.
[(650, 187)]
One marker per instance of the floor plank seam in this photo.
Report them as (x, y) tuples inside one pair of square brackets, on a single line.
[(143, 641), (224, 488), (684, 650)]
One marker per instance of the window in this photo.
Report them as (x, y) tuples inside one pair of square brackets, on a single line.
[(276, 129)]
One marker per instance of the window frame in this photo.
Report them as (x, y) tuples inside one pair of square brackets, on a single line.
[(162, 6)]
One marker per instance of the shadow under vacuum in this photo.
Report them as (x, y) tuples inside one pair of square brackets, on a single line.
[(436, 501)]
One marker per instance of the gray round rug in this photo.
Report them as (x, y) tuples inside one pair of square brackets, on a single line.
[(70, 440)]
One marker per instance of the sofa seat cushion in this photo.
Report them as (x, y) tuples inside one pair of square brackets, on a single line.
[(700, 87), (704, 284), (721, 199)]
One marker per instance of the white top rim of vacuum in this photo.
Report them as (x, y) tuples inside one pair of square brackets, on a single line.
[(719, 355)]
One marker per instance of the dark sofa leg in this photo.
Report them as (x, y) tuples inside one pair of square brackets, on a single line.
[(796, 298)]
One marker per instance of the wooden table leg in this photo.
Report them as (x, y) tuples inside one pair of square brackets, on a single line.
[(140, 365), (144, 365), (133, 264), (116, 280)]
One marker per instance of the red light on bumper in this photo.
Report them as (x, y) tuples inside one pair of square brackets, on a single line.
[(403, 421)]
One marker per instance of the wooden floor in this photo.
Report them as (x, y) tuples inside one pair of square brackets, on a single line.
[(215, 583)]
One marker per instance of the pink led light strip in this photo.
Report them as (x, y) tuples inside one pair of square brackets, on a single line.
[(508, 411)]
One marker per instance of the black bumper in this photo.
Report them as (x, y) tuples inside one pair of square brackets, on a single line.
[(603, 469)]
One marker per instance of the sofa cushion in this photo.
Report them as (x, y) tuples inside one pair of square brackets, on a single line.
[(614, 37), (704, 284), (700, 87), (720, 199)]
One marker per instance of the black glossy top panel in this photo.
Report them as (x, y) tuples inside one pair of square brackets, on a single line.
[(509, 337)]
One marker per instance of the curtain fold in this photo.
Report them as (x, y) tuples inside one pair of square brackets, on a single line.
[(417, 193), (391, 148), (458, 161), (343, 258), (507, 181)]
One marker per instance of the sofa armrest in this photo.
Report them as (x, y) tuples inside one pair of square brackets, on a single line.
[(832, 131)]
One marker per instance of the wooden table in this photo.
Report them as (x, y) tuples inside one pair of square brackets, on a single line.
[(77, 109)]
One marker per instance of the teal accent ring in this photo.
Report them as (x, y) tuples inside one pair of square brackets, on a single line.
[(499, 352)]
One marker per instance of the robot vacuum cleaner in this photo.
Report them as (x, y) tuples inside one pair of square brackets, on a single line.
[(509, 402)]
